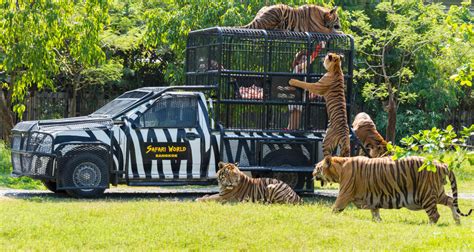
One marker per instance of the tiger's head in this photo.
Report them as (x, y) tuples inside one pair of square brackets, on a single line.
[(328, 169), (228, 176), (332, 62), (331, 20)]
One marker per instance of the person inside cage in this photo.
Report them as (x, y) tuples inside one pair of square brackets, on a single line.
[(299, 65)]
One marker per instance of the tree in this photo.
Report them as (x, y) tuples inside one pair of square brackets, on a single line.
[(36, 38), (80, 51), (388, 51), (123, 41), (168, 24), (422, 47)]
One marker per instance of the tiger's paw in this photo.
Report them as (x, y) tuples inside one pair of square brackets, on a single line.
[(378, 220), (293, 82), (337, 210), (203, 198)]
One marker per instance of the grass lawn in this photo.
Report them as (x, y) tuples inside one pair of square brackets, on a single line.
[(57, 223), (60, 223)]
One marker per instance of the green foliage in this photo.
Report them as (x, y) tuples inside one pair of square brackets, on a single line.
[(460, 24), (465, 74), (386, 43), (434, 144), (117, 45), (428, 53), (5, 163), (106, 73), (40, 38), (168, 24)]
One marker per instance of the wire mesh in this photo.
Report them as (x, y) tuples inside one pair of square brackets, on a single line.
[(251, 70)]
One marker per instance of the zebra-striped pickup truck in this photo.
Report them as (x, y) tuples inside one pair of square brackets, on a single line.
[(154, 136)]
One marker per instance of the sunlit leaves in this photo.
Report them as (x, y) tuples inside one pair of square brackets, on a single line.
[(435, 143), (168, 25), (37, 35), (465, 74), (371, 91)]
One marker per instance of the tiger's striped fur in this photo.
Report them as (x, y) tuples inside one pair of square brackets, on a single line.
[(331, 86), (236, 186), (374, 183), (306, 18), (367, 133)]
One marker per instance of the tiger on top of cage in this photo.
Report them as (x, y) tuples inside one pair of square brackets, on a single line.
[(306, 18)]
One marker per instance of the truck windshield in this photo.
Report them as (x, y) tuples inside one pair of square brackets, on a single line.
[(120, 103)]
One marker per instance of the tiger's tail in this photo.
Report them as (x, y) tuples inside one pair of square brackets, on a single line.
[(454, 188), (251, 25)]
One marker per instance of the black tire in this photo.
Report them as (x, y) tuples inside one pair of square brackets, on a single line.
[(51, 185), (85, 169), (286, 157)]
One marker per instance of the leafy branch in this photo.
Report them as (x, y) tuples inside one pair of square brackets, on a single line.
[(434, 144)]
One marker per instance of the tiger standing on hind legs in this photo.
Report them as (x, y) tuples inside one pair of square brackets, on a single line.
[(331, 87)]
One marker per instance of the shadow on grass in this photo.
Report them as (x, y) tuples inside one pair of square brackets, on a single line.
[(136, 196)]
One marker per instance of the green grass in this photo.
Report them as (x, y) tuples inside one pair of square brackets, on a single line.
[(465, 178), (56, 223), (6, 180), (61, 223)]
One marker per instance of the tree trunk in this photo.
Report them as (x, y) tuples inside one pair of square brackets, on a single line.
[(392, 105), (392, 119), (72, 102), (6, 124), (73, 97)]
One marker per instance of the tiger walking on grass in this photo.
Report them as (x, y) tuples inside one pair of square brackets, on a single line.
[(374, 183)]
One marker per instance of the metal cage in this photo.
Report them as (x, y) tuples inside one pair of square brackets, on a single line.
[(250, 70)]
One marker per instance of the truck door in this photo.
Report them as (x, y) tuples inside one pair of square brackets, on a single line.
[(170, 139)]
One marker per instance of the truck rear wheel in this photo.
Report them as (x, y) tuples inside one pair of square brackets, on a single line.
[(287, 158), (85, 170)]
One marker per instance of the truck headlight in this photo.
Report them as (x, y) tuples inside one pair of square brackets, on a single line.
[(40, 142), (46, 145)]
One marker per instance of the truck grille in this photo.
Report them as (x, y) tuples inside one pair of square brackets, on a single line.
[(32, 158)]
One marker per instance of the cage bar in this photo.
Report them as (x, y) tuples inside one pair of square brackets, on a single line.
[(250, 70)]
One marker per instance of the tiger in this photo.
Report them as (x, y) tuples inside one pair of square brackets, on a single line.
[(306, 18), (235, 186), (367, 133), (331, 86), (374, 183)]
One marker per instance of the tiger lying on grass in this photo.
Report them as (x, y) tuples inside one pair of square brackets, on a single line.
[(236, 186), (373, 183)]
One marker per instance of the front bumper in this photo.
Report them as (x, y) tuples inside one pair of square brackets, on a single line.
[(31, 154)]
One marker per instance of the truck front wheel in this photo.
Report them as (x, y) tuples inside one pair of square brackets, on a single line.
[(85, 170), (51, 185)]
